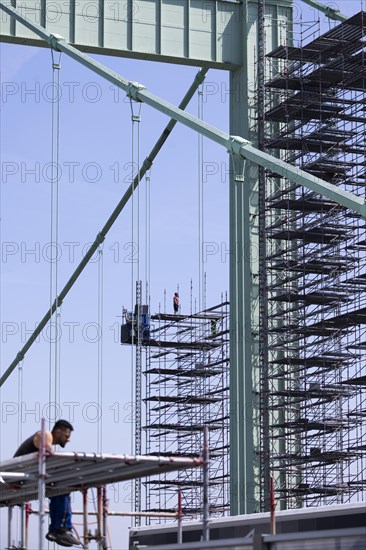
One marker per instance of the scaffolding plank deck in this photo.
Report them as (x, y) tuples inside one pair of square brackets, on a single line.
[(68, 472), (172, 344)]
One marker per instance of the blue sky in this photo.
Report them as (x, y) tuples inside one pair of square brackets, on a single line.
[(95, 157)]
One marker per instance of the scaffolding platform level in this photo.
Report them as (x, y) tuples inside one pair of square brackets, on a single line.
[(314, 266), (68, 472), (185, 387)]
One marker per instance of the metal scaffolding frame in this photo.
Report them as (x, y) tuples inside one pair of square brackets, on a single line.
[(315, 270), (69, 472), (36, 475), (186, 387)]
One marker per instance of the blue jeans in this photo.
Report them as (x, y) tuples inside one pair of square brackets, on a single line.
[(60, 512)]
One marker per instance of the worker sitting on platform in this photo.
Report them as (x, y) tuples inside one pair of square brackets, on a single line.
[(60, 530), (176, 302)]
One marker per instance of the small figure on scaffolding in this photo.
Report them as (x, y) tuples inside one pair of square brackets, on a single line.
[(176, 302), (60, 529)]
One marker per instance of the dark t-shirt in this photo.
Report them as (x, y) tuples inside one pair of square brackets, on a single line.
[(26, 447)]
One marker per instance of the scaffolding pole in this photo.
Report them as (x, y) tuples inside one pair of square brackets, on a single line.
[(42, 481), (137, 331)]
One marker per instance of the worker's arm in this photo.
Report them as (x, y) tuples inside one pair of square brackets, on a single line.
[(48, 441)]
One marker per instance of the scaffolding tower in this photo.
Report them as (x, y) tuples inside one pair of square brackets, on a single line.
[(315, 270), (185, 387)]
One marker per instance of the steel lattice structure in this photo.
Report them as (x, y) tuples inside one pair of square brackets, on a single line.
[(316, 269), (186, 387)]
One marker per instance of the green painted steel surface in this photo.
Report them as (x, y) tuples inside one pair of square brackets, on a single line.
[(245, 475), (329, 11), (198, 32)]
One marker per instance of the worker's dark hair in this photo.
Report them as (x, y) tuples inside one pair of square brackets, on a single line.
[(62, 425)]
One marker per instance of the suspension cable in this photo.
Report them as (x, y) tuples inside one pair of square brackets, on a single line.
[(54, 374), (20, 510), (100, 346), (200, 203), (147, 236), (20, 402)]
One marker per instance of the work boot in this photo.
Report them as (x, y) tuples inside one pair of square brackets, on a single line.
[(70, 537), (59, 537)]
